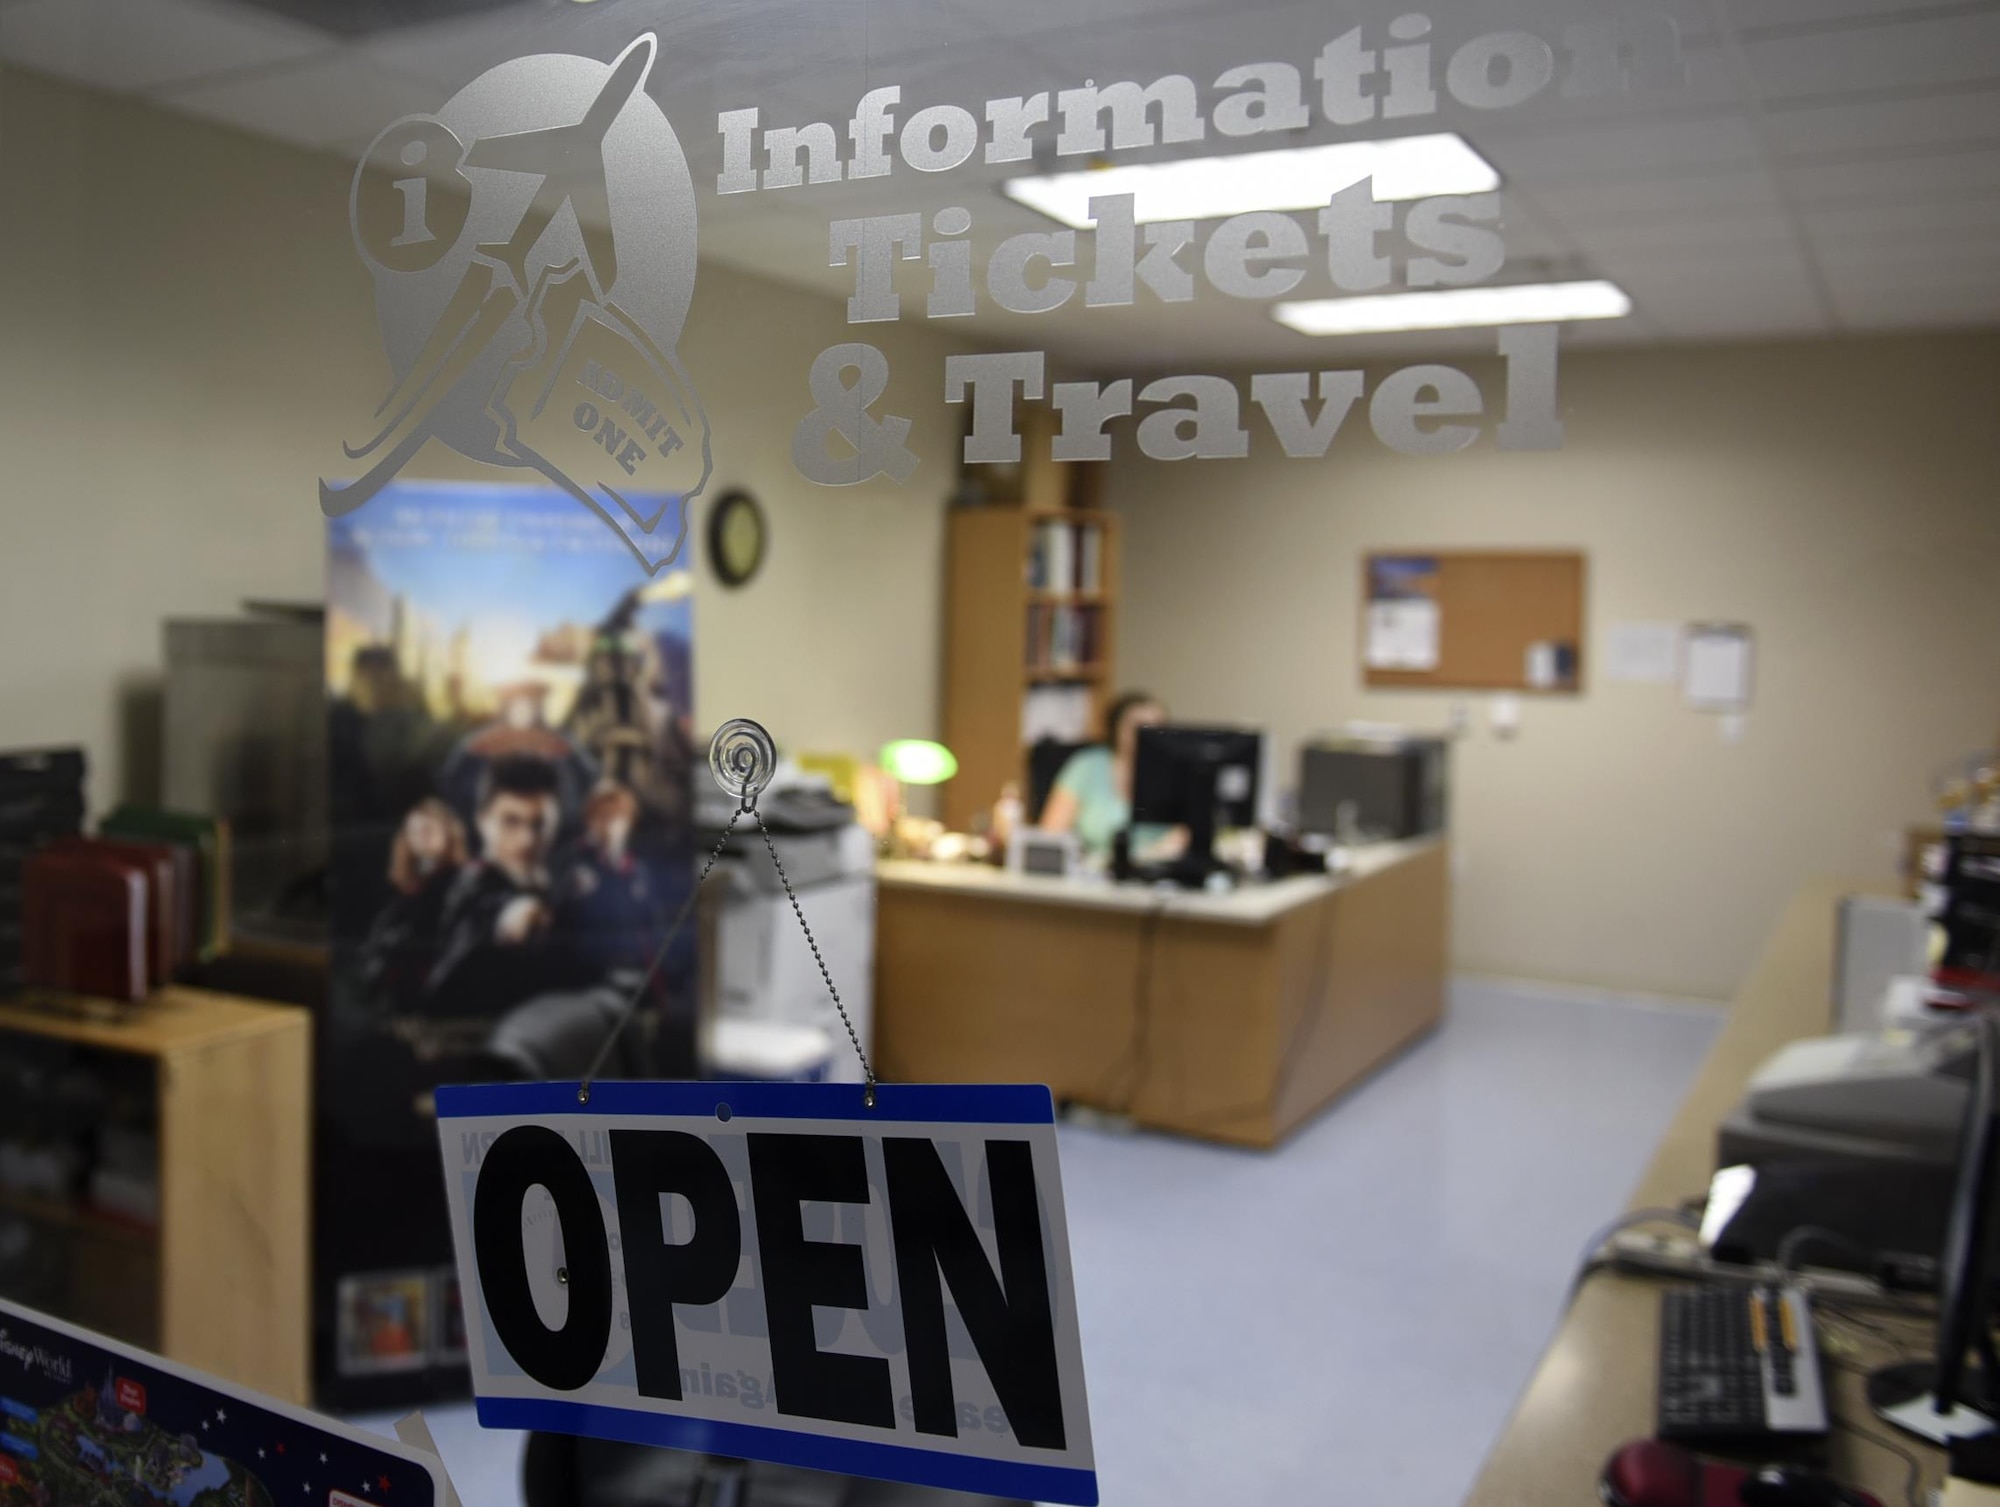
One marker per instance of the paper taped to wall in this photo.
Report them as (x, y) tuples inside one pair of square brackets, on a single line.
[(1717, 673), (1640, 653)]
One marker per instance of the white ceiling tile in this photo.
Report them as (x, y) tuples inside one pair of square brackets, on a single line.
[(1751, 16), (1897, 177), (1630, 149), (142, 44), (1920, 308), (1683, 275), (454, 52), (1726, 194), (1710, 87), (318, 103), (1688, 235), (1933, 119), (1914, 55), (1780, 248), (1934, 219), (1974, 257), (1768, 301), (1759, 320), (1969, 293)]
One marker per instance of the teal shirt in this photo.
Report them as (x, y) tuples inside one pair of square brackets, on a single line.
[(1091, 775)]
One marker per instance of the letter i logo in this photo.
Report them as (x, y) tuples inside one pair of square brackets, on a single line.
[(535, 234)]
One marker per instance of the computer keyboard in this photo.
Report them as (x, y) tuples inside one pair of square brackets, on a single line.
[(1738, 1362)]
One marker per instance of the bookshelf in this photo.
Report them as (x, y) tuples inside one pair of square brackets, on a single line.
[(1031, 615), (220, 1086)]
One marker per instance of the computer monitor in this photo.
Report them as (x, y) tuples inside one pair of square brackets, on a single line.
[(1945, 1398), (1201, 778)]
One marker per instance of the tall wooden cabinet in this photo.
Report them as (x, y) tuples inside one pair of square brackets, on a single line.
[(1031, 620)]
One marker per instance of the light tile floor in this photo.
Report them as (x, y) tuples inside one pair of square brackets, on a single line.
[(1349, 1318)]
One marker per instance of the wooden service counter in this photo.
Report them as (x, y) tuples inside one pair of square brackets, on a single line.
[(1232, 1016), (1594, 1387)]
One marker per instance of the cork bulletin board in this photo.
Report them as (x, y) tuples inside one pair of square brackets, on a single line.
[(1473, 620)]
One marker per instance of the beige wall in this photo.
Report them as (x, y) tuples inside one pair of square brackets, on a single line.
[(189, 331), (1840, 497)]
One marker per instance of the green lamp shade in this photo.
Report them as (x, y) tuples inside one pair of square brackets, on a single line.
[(916, 761)]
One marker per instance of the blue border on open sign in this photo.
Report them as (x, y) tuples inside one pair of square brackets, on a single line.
[(940, 1103), (850, 1457)]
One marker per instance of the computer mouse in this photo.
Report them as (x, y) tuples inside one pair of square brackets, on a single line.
[(1783, 1486), (1651, 1473)]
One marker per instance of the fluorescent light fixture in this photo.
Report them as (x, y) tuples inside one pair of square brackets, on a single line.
[(1206, 188), (1455, 308)]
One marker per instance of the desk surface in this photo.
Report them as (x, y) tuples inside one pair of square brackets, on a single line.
[(1246, 905), (173, 1019), (1594, 1387)]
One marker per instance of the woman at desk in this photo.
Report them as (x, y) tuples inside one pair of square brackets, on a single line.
[(1092, 796)]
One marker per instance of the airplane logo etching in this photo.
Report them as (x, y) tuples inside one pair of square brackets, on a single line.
[(533, 249)]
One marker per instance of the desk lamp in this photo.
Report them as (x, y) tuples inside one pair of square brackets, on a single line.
[(914, 761)]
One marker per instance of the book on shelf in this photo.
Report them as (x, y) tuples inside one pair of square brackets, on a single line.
[(1066, 557), (1058, 712), (1050, 566), (1062, 636), (41, 799)]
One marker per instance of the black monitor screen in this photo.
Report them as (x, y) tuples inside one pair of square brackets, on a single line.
[(1198, 777), (1965, 1262)]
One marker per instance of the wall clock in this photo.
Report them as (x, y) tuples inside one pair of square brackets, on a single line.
[(736, 537)]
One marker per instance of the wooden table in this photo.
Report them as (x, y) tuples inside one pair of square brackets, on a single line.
[(221, 1282), (1231, 1016), (1594, 1387)]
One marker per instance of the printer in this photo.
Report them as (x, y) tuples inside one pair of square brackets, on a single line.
[(1897, 1096), (1857, 1135), (766, 1012)]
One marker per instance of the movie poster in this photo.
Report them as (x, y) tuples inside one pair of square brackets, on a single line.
[(509, 696)]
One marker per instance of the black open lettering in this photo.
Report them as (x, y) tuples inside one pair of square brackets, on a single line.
[(527, 1156), (799, 1274), (1009, 1319), (647, 1164)]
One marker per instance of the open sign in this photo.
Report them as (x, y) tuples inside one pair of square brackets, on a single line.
[(777, 1272)]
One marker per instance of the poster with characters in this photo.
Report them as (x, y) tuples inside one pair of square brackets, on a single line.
[(508, 701)]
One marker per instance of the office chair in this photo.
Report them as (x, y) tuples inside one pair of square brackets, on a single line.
[(557, 1036), (1045, 764)]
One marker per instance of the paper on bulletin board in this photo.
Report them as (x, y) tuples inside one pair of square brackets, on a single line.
[(1403, 615), (1716, 676), (1641, 653), (1403, 635)]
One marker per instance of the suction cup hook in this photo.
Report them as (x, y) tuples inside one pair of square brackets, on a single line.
[(742, 758)]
